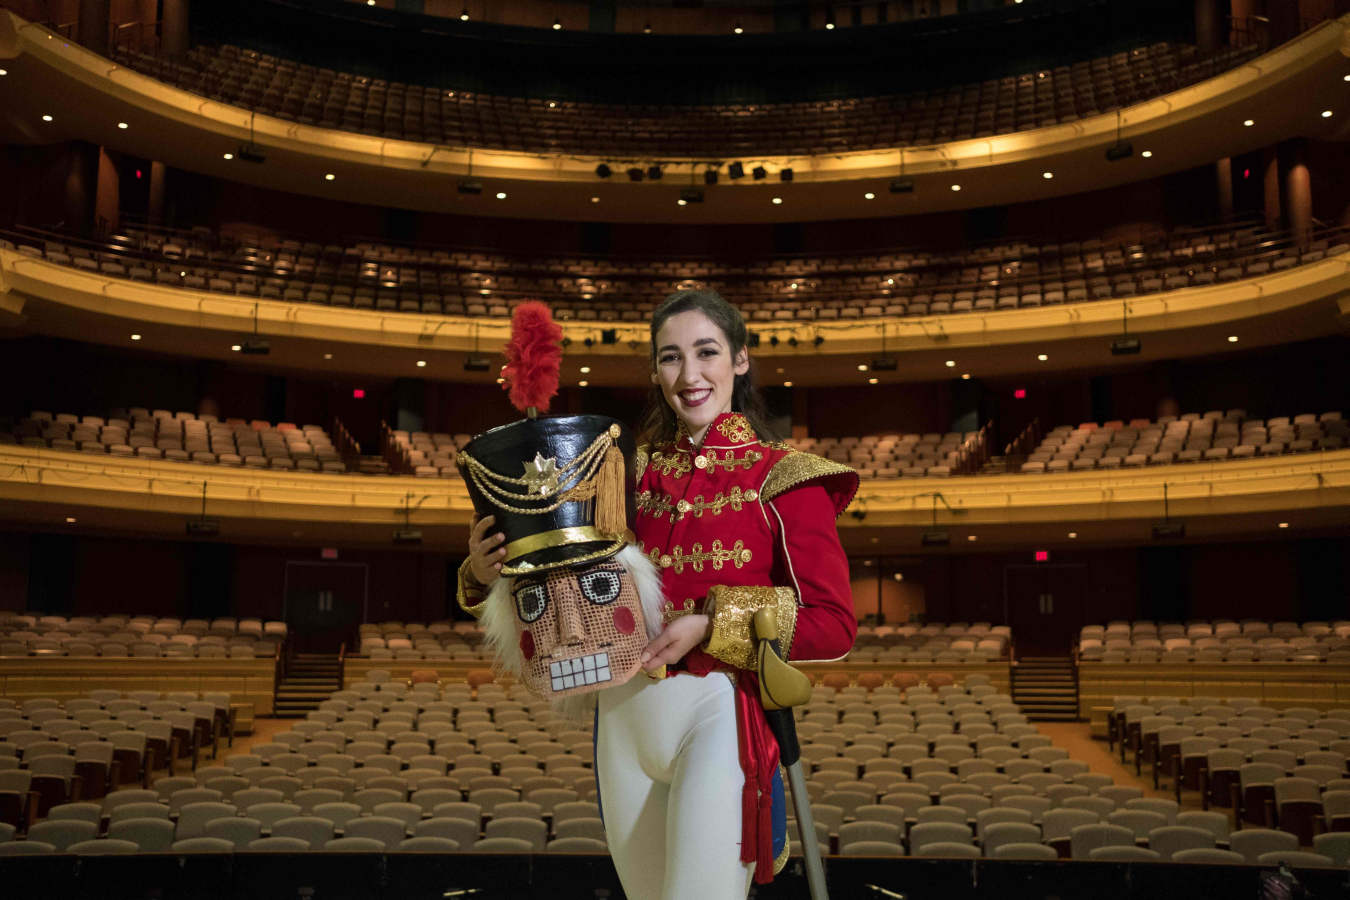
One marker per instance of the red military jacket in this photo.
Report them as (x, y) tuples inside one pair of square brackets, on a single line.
[(741, 511)]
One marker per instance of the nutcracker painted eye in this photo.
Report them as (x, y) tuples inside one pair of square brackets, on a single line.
[(531, 601), (600, 587)]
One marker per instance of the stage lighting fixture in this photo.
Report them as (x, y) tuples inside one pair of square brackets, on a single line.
[(752, 339), (635, 174), (1119, 150), (885, 364), (1126, 346), (818, 340), (470, 186), (773, 340), (255, 347), (250, 153), (691, 195), (710, 176), (736, 170), (609, 336), (654, 173), (784, 174), (759, 173), (792, 342), (1164, 531), (203, 527), (935, 537), (603, 171), (408, 536), (477, 364), (902, 185)]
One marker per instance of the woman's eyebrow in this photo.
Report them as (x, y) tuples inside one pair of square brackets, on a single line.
[(698, 343)]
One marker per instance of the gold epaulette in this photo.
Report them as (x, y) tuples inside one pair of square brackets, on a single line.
[(469, 593), (797, 468)]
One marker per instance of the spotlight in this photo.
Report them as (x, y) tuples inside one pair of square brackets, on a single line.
[(902, 185), (470, 186), (477, 364), (710, 176), (773, 340), (818, 340), (557, 24), (691, 195), (1119, 150), (736, 170), (792, 342), (752, 339), (935, 537), (609, 336), (1126, 346), (784, 174), (759, 173), (654, 173), (885, 364), (603, 171), (635, 174), (464, 14)]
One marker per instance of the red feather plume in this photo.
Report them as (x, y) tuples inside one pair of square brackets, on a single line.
[(533, 357)]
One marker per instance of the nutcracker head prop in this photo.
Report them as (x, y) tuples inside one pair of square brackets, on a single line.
[(575, 629)]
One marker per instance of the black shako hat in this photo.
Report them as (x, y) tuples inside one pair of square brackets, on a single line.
[(560, 488)]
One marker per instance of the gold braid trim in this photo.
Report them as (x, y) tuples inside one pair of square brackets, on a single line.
[(659, 505), (469, 594), (782, 858), (733, 608), (640, 461), (798, 468), (677, 464)]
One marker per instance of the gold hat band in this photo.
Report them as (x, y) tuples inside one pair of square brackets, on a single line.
[(581, 534)]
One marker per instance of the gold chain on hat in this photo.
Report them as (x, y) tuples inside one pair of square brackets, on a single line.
[(581, 471)]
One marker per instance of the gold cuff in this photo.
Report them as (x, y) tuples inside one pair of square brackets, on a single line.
[(732, 609), (468, 592)]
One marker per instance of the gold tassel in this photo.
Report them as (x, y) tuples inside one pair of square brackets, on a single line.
[(611, 494)]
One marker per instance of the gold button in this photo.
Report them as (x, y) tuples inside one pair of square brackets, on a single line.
[(752, 495), (665, 560), (745, 556), (701, 462), (684, 506)]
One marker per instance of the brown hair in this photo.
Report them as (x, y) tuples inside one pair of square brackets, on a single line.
[(659, 424)]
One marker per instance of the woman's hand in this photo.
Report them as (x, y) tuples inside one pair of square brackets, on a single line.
[(485, 551), (678, 638)]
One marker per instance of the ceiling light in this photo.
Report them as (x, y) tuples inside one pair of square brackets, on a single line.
[(236, 347), (1249, 122), (792, 286), (329, 177), (464, 14), (553, 104), (583, 383), (951, 363), (1343, 77), (965, 376), (124, 126), (956, 187), (873, 380), (501, 381), (1146, 154), (869, 196), (890, 281), (585, 370), (1042, 357), (370, 2), (1232, 339), (737, 29), (4, 72), (1047, 175), (70, 520), (971, 537), (1073, 535), (682, 202), (421, 364), (1326, 114), (501, 195), (787, 384), (595, 199), (46, 118), (328, 356), (777, 201), (557, 24), (1284, 525), (862, 367), (135, 337), (229, 156)]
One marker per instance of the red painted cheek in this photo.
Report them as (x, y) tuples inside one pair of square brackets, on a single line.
[(623, 620), (527, 645)]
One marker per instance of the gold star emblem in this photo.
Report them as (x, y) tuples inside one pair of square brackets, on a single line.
[(541, 475)]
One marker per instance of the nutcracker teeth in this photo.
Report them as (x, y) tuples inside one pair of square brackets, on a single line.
[(579, 671)]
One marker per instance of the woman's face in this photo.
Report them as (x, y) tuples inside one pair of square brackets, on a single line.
[(695, 370)]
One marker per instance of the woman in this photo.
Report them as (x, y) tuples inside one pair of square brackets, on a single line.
[(688, 771)]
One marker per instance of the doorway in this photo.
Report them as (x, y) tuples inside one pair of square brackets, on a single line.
[(324, 602), (1043, 604)]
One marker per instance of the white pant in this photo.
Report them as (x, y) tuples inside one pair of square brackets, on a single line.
[(670, 788)]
